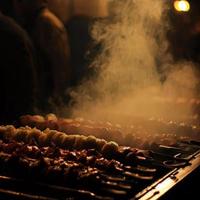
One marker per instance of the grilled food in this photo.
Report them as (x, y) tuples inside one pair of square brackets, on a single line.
[(55, 138), (141, 135)]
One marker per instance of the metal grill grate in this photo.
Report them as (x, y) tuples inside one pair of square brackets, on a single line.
[(147, 176)]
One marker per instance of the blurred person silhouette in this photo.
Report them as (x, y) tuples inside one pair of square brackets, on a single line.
[(51, 42), (78, 17), (17, 69)]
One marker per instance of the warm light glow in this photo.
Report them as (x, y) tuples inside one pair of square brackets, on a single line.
[(182, 6)]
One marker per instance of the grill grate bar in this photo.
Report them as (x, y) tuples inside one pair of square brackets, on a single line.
[(22, 188)]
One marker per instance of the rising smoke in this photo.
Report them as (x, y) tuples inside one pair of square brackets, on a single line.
[(137, 76)]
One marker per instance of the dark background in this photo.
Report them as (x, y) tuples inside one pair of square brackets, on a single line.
[(184, 35)]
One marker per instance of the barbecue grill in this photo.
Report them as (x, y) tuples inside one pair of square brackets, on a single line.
[(50, 172)]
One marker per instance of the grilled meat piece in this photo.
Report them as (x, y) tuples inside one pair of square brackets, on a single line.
[(55, 138), (138, 135)]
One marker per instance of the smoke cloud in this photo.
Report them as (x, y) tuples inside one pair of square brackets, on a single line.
[(136, 74)]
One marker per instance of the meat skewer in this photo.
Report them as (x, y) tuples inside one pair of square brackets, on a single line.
[(50, 155), (53, 137), (151, 130)]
